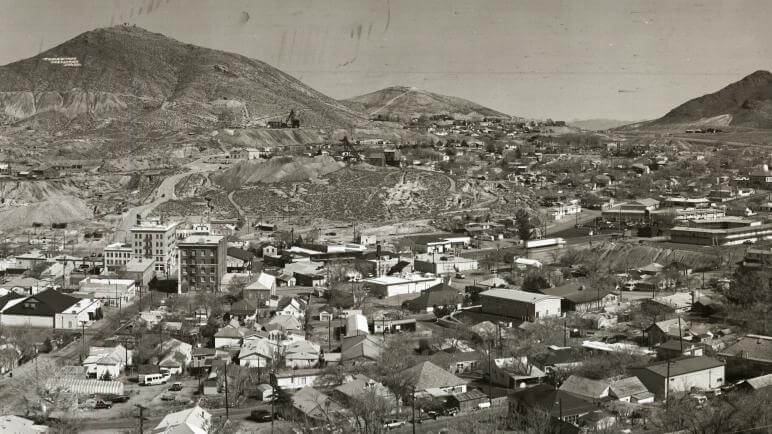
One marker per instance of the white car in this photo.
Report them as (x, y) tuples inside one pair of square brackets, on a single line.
[(393, 423)]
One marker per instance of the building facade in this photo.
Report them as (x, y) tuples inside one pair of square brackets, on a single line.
[(117, 255), (157, 241), (203, 262)]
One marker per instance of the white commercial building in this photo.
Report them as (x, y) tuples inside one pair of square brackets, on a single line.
[(155, 240), (117, 255), (112, 292), (389, 286)]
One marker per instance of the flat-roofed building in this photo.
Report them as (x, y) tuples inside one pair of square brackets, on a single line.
[(721, 237), (389, 286), (117, 255), (513, 303), (203, 262), (442, 264), (155, 240), (112, 292)]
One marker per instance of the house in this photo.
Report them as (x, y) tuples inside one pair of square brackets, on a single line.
[(439, 296), (383, 325), (469, 400), (675, 348), (663, 331), (262, 289), (264, 392), (683, 374), (310, 279), (361, 349), (356, 324), (559, 404), (326, 314), (597, 421), (756, 383), (430, 379), (238, 260), (230, 336), (314, 405), (457, 362), (106, 362), (586, 388), (578, 297), (513, 303), (202, 357), (194, 420), (245, 310), (51, 309), (294, 379), (514, 372), (750, 356), (673, 304), (291, 306), (358, 387), (284, 323), (632, 390), (23, 286), (257, 353), (301, 354), (175, 356)]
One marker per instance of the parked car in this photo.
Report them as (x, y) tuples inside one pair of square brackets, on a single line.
[(176, 387), (168, 397), (260, 415), (393, 423), (103, 404)]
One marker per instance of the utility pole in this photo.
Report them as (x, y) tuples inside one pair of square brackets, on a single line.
[(413, 403), (83, 338), (565, 331), (490, 375), (226, 391), (680, 336), (141, 417)]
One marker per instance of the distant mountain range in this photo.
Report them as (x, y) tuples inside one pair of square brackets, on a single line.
[(403, 103), (598, 124), (745, 103), (134, 77)]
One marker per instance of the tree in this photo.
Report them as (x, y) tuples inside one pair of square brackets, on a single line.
[(370, 408), (236, 286), (523, 224)]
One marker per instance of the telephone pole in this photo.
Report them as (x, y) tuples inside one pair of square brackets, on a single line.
[(141, 417), (226, 392)]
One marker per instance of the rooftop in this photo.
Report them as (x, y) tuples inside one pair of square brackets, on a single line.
[(202, 239), (517, 295), (752, 347), (684, 365)]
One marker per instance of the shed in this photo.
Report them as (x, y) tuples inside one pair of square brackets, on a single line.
[(469, 400)]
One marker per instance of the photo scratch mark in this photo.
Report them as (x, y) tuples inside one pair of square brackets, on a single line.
[(369, 29), (388, 17)]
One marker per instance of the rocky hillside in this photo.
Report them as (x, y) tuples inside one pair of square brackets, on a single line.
[(403, 103), (128, 76), (745, 103)]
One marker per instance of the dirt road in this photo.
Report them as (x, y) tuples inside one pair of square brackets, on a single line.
[(163, 193)]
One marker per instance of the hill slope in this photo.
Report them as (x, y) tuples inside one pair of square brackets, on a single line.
[(745, 103), (403, 103), (134, 76)]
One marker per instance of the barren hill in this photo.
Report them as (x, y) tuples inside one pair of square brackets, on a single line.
[(277, 170), (745, 103), (403, 103), (146, 79)]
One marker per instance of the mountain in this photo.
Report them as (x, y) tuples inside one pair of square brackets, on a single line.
[(133, 77), (745, 103), (597, 124), (403, 103)]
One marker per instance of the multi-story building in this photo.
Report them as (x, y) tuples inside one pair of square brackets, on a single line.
[(117, 255), (155, 240), (202, 262)]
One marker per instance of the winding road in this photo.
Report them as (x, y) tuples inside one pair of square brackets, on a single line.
[(164, 192)]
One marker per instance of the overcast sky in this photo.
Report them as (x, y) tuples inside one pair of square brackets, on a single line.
[(628, 60)]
